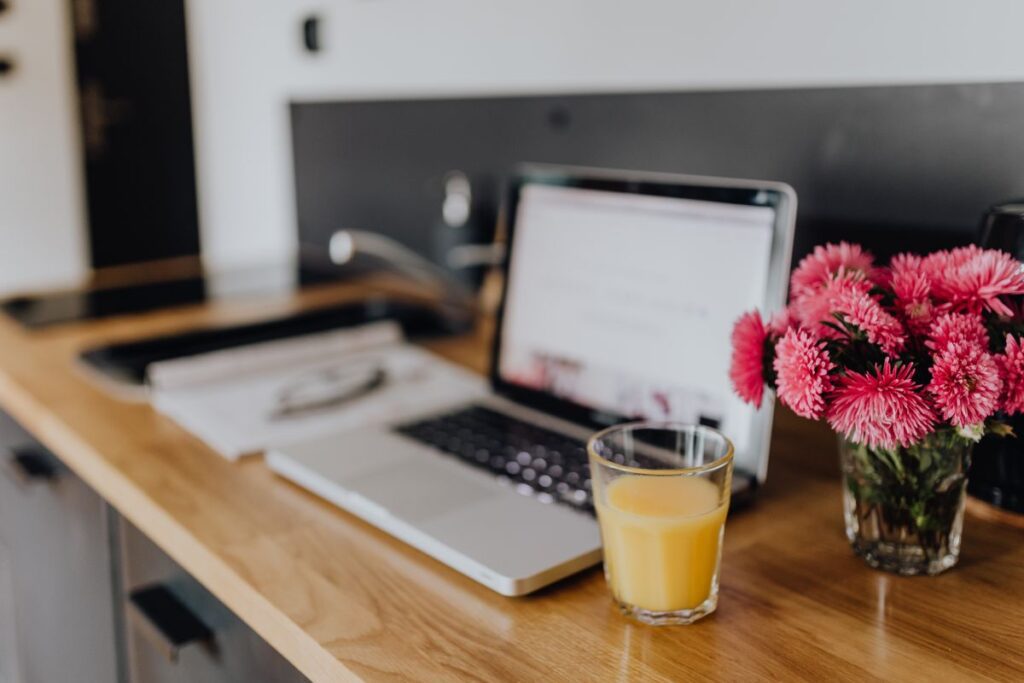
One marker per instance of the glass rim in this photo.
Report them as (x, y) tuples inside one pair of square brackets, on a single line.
[(718, 463)]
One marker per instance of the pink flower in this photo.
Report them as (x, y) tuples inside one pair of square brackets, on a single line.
[(748, 354), (867, 315), (802, 368), (883, 408), (1011, 366), (911, 288), (965, 383), (940, 264), (973, 279), (817, 268), (816, 306), (957, 328), (781, 321), (906, 263)]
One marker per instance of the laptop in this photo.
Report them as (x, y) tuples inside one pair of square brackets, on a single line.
[(620, 294)]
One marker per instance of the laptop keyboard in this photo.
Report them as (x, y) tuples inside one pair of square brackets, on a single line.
[(537, 461)]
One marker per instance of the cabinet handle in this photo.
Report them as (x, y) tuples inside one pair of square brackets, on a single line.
[(30, 464), (165, 621), (6, 65)]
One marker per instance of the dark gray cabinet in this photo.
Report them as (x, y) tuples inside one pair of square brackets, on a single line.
[(69, 567), (56, 602), (233, 652)]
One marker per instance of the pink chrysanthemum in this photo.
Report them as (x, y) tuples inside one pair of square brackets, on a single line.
[(973, 279), (906, 263), (900, 264), (965, 384), (939, 264), (957, 328), (911, 288), (868, 316), (883, 408), (825, 262), (815, 307), (780, 322), (802, 367), (1011, 366), (747, 367)]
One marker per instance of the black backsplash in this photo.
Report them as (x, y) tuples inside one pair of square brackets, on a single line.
[(906, 167)]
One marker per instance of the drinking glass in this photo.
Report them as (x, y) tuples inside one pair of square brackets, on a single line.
[(661, 491)]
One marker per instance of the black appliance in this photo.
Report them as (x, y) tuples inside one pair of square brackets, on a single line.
[(997, 470)]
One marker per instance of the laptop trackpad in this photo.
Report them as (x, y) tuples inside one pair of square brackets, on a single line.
[(421, 487)]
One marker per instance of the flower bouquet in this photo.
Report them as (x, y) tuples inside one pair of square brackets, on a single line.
[(910, 364)]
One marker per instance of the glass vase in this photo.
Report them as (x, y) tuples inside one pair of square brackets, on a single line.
[(904, 507)]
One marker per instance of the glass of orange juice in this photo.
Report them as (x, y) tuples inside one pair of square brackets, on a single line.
[(662, 493)]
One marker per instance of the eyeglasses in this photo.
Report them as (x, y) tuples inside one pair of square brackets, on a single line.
[(329, 388)]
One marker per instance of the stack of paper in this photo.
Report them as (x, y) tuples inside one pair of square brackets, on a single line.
[(246, 400)]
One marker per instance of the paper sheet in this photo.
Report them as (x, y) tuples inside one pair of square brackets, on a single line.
[(242, 401)]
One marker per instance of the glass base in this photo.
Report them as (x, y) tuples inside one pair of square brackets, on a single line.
[(902, 558), (673, 618), (904, 508)]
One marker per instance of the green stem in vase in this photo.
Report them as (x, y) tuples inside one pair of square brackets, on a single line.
[(906, 500)]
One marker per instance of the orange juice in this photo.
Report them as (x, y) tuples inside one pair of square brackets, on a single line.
[(662, 537)]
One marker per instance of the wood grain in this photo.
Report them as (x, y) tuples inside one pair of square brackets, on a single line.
[(343, 601)]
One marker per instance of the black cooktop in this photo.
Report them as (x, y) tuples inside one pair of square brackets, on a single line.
[(53, 308)]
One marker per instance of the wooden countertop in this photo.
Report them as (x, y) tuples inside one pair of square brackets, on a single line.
[(343, 601)]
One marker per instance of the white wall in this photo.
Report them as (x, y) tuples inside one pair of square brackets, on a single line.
[(42, 217), (247, 63)]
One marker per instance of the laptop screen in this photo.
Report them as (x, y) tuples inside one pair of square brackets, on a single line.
[(623, 302)]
